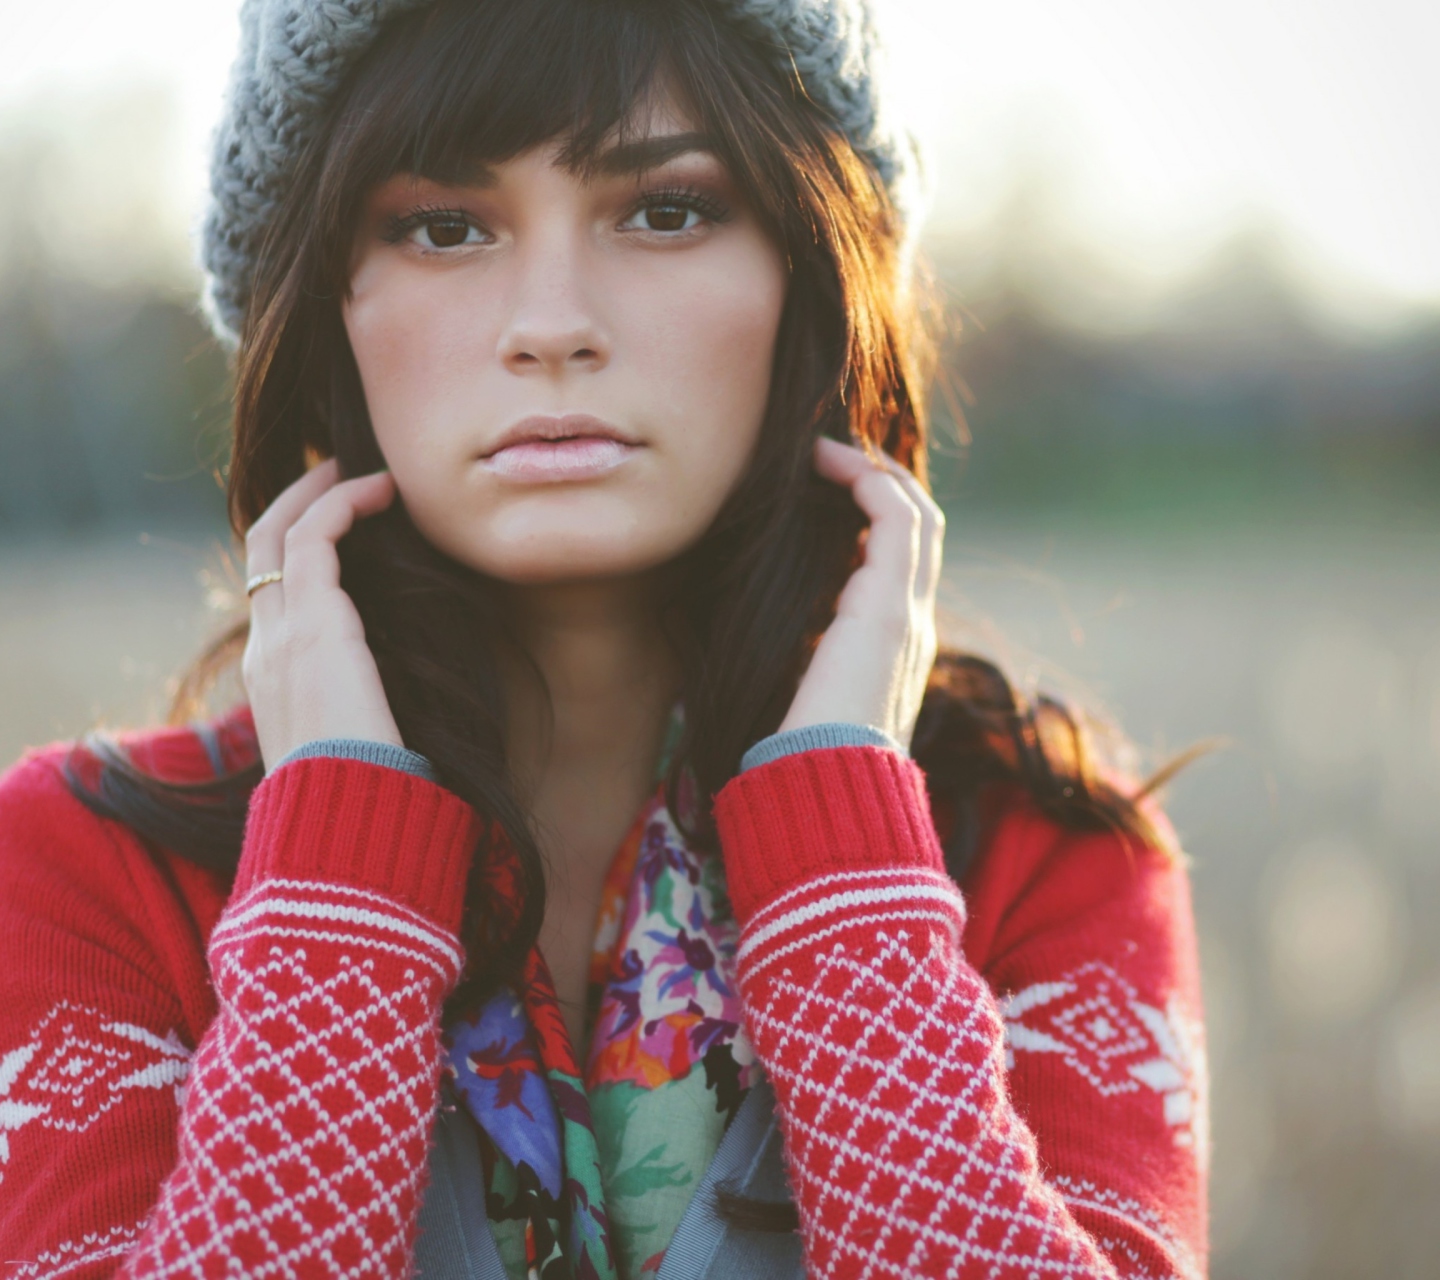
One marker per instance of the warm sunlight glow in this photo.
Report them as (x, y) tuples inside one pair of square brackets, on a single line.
[(1162, 127), (1155, 129)]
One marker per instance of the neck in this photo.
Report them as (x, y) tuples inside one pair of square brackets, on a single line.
[(611, 679)]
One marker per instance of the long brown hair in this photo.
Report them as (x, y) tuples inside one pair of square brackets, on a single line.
[(467, 81)]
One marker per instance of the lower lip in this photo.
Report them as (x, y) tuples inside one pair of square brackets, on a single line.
[(554, 461)]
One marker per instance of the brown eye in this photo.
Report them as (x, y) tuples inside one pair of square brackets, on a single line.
[(446, 233), (666, 217)]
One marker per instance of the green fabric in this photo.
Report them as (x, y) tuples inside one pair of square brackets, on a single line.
[(655, 1145)]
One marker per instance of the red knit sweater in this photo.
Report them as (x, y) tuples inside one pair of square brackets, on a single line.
[(199, 1080)]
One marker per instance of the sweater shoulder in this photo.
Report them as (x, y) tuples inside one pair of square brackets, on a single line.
[(40, 795), (41, 818), (84, 900), (1037, 885)]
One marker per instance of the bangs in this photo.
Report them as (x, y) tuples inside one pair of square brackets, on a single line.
[(467, 83)]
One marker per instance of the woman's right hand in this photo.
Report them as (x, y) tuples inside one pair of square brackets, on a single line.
[(307, 669)]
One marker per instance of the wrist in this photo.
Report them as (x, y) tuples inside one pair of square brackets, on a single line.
[(385, 754), (816, 737), (844, 809), (378, 829)]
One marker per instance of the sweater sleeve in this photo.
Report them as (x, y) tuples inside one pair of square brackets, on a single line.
[(293, 1139), (931, 1128)]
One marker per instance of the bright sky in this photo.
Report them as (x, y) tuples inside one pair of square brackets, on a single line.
[(1164, 124)]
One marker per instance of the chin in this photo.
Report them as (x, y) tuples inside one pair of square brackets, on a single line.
[(563, 557), (541, 570), (587, 537)]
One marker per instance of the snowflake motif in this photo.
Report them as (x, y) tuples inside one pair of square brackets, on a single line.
[(1093, 1019), (78, 1063)]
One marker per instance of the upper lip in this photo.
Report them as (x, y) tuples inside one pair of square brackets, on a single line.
[(567, 426)]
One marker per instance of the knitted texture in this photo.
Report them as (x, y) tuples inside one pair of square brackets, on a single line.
[(284, 1134), (196, 1082), (295, 53), (888, 1051)]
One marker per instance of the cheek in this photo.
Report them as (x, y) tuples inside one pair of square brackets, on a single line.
[(409, 340), (708, 354)]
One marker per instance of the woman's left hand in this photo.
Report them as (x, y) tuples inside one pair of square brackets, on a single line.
[(873, 661)]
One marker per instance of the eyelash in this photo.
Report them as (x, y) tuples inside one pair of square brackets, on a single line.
[(682, 198), (400, 226)]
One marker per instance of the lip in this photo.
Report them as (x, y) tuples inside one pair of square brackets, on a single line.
[(544, 450)]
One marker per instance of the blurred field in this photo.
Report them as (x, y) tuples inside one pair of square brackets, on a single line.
[(1209, 504), (1315, 837), (91, 629)]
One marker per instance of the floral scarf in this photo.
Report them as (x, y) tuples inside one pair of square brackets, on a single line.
[(587, 1174)]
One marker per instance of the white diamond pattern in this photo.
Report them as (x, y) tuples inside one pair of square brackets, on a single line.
[(907, 1157), (303, 1142)]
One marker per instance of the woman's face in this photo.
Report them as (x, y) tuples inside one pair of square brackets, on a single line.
[(567, 373)]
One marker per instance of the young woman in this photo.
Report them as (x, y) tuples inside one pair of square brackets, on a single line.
[(603, 878)]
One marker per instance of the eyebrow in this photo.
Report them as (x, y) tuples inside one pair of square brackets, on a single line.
[(624, 160), (650, 153)]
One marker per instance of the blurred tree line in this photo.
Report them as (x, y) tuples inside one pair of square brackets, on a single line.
[(112, 408), (112, 394), (114, 403), (1233, 400)]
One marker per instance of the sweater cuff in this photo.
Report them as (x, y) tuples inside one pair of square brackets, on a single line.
[(820, 812), (364, 825), (385, 754), (815, 737)]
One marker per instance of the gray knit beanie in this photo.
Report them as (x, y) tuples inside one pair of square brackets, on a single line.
[(295, 53)]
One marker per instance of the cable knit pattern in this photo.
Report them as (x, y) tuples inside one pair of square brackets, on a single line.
[(295, 53), (888, 1051)]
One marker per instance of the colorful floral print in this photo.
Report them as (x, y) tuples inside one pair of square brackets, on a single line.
[(668, 994), (589, 1178)]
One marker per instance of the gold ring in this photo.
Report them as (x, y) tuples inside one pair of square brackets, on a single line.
[(263, 580)]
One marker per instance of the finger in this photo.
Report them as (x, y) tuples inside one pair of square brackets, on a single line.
[(311, 561), (895, 521), (932, 527), (265, 539)]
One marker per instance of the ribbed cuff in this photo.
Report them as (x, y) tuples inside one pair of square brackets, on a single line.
[(818, 812), (364, 825), (385, 754), (816, 737)]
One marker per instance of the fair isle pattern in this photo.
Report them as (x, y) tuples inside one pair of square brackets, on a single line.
[(1094, 1020), (885, 1050), (303, 1141), (78, 1255), (75, 1065), (1138, 1220)]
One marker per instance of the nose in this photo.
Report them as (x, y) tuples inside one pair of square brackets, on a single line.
[(552, 328)]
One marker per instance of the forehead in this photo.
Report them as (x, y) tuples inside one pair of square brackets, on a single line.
[(657, 130)]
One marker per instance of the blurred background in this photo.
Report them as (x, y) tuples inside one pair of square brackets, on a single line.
[(1189, 443)]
